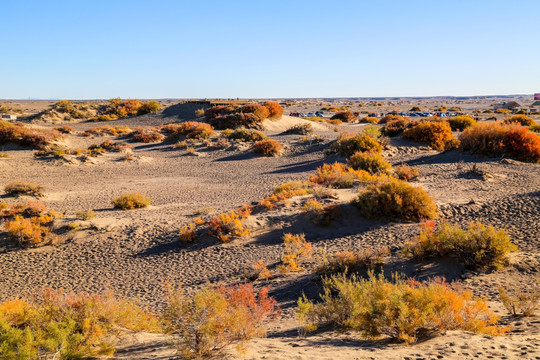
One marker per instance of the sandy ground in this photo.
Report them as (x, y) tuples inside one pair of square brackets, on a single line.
[(134, 252)]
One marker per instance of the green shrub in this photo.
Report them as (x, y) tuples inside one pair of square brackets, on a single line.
[(438, 135), (461, 122), (131, 201), (395, 199), (347, 144), (402, 310), (369, 161), (477, 247)]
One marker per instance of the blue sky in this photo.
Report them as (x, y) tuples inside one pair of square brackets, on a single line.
[(268, 49)]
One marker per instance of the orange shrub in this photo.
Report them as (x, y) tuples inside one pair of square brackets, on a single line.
[(392, 117), (338, 175), (405, 172), (260, 111), (438, 135), (108, 130), (496, 139), (146, 136), (296, 248), (274, 109), (268, 147), (228, 226), (370, 119), (21, 135), (191, 129)]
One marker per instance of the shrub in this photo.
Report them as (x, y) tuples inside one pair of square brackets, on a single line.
[(391, 117), (370, 120), (247, 135), (212, 318), (337, 175), (300, 129), (519, 302), (395, 199), (274, 109), (496, 139), (346, 116), (17, 188), (187, 233), (68, 326), (478, 247), (146, 136), (438, 135), (405, 172), (236, 120), (347, 145), (108, 130), (416, 109), (535, 128), (219, 110), (461, 122), (64, 129), (395, 127), (23, 136), (503, 111), (268, 147), (199, 113), (345, 261), (369, 161), (296, 248), (191, 129), (399, 309), (258, 271), (260, 111), (86, 215), (148, 107), (228, 226), (322, 215), (292, 188), (520, 119), (30, 231), (131, 201), (373, 131)]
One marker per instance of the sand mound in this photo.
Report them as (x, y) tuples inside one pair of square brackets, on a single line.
[(286, 122)]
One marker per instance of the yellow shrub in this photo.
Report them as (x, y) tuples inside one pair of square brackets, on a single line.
[(438, 135), (401, 310), (338, 175), (369, 161), (296, 248), (131, 201), (227, 226)]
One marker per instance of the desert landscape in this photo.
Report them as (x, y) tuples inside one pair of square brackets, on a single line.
[(328, 228)]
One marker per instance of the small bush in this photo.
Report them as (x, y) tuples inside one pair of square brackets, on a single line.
[(519, 119), (346, 145), (300, 129), (268, 147), (405, 172), (519, 302), (108, 130), (187, 233), (395, 199), (370, 120), (522, 144), (373, 131), (148, 107), (461, 122), (322, 215), (391, 117), (23, 136), (478, 247), (260, 111), (228, 226), (345, 116), (274, 109), (190, 129), (146, 136), (395, 127), (503, 111), (296, 248), (64, 129), (258, 271), (292, 188), (338, 176), (86, 215), (17, 188), (438, 135), (346, 261), (131, 201), (236, 120), (214, 317), (369, 161), (403, 310), (249, 135)]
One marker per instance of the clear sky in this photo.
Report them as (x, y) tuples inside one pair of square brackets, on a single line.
[(268, 49)]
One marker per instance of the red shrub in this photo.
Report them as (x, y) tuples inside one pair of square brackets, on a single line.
[(268, 147), (261, 112), (346, 116), (522, 144), (146, 136)]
